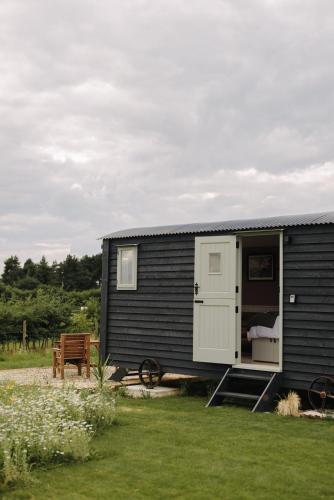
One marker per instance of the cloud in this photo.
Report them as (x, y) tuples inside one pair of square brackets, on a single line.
[(147, 112)]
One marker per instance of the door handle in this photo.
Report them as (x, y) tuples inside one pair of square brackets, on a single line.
[(196, 287), (199, 301)]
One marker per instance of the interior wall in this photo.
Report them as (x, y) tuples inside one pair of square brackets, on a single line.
[(260, 292)]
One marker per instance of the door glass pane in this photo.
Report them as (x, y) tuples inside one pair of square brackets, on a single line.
[(127, 258), (214, 263)]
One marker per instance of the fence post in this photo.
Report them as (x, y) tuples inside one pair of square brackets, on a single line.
[(24, 334)]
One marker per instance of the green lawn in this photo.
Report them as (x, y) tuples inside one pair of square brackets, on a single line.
[(25, 359), (174, 448), (31, 359)]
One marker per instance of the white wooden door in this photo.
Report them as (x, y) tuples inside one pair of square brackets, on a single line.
[(215, 300)]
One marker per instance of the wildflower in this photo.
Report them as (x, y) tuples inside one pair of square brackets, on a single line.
[(52, 422)]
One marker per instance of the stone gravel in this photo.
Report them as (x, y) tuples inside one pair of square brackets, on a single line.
[(43, 377)]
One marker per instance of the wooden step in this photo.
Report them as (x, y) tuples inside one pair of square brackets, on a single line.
[(246, 376), (238, 395)]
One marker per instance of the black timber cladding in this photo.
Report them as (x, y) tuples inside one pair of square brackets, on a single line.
[(156, 320), (104, 299), (308, 325)]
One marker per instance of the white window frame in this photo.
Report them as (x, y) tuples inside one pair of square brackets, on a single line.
[(127, 286)]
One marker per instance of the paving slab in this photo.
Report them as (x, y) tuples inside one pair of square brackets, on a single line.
[(140, 391), (317, 414)]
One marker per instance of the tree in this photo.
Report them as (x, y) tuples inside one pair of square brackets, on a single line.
[(27, 283), (93, 266), (71, 274), (43, 272), (12, 270), (70, 270), (29, 268), (56, 274)]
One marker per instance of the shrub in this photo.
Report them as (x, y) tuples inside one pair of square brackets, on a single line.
[(45, 425), (100, 372), (44, 313), (47, 311), (289, 406), (80, 323)]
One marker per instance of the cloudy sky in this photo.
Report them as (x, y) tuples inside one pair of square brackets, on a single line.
[(122, 113)]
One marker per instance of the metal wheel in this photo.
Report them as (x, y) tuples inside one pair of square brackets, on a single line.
[(321, 393), (150, 373)]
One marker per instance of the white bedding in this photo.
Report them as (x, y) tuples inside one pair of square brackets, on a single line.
[(256, 332)]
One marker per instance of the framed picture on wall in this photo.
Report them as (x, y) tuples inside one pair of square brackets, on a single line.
[(261, 267)]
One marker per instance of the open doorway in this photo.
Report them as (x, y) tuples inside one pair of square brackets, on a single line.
[(260, 300)]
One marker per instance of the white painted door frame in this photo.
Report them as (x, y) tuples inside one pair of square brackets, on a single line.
[(253, 366)]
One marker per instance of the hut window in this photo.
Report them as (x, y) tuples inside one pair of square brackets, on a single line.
[(214, 263), (127, 268)]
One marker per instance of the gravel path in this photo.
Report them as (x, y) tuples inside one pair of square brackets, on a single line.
[(43, 376)]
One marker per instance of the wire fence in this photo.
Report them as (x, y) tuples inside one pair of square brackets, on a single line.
[(13, 341)]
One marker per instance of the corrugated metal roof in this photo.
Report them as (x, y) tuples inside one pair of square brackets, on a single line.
[(279, 221)]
